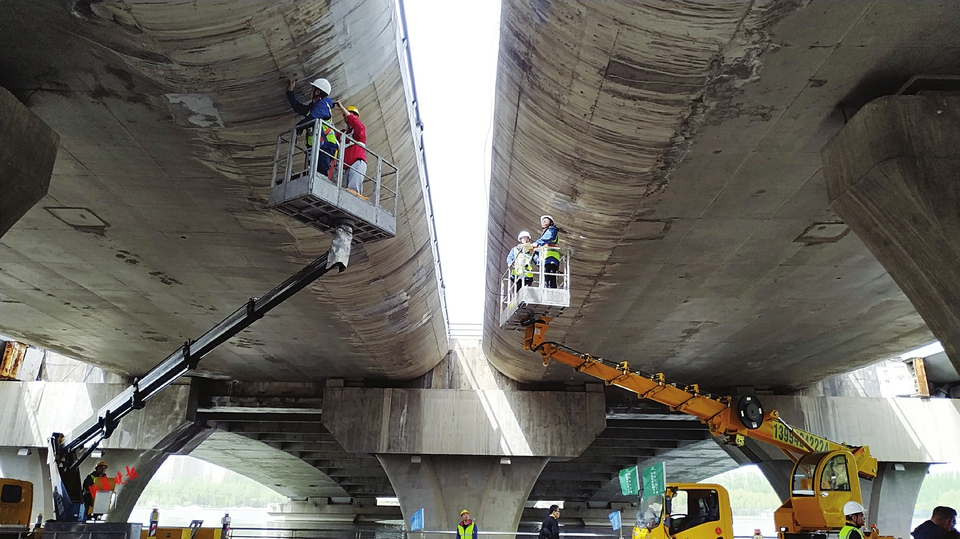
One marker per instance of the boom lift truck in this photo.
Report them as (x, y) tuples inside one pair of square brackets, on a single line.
[(299, 191), (824, 472)]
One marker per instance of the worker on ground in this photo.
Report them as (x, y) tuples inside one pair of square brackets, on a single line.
[(550, 528), (467, 529), (520, 261), (855, 519), (551, 255), (91, 484), (355, 151), (320, 106), (225, 529), (941, 523)]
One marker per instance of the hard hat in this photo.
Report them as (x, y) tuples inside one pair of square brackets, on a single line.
[(852, 508), (322, 85), (354, 110), (523, 234), (464, 512), (101, 463), (542, 217)]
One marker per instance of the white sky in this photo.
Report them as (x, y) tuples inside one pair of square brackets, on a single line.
[(454, 49)]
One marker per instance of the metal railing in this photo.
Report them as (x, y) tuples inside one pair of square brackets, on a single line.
[(515, 279), (316, 533), (294, 159)]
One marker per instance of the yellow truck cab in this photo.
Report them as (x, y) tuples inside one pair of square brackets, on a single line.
[(16, 503), (686, 511)]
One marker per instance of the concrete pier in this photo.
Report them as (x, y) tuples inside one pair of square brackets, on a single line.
[(468, 441), (891, 175), (28, 149)]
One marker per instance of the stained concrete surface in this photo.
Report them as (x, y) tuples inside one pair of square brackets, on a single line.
[(892, 175), (28, 148), (155, 225), (677, 147)]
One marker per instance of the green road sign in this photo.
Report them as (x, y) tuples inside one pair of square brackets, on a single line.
[(654, 480), (629, 482)]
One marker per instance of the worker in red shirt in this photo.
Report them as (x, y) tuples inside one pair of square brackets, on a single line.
[(355, 155)]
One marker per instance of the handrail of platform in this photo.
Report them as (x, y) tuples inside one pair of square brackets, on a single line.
[(289, 153), (509, 288)]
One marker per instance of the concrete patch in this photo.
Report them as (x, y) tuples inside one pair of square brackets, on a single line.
[(195, 110)]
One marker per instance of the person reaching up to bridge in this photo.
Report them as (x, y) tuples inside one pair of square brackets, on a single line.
[(320, 107), (355, 151), (467, 529)]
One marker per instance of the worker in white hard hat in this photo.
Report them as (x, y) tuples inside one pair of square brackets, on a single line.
[(320, 107), (520, 261), (549, 241), (355, 149), (855, 520)]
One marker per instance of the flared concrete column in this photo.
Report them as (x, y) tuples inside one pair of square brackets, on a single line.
[(891, 175), (442, 485), (892, 496), (182, 440), (480, 450), (28, 149)]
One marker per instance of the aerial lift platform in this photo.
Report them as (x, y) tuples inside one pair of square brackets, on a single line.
[(320, 198), (522, 303)]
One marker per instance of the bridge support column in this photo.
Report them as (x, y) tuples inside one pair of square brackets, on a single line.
[(891, 175), (890, 498), (28, 149), (181, 439), (494, 489), (450, 449)]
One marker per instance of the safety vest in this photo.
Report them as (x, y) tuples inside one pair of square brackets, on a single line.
[(328, 133), (553, 253), (845, 532), (466, 532), (522, 262)]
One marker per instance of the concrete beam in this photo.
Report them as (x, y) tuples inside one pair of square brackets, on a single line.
[(487, 422), (28, 149), (891, 175), (32, 411)]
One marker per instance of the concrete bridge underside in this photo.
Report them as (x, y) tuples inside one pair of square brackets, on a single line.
[(677, 146), (155, 225)]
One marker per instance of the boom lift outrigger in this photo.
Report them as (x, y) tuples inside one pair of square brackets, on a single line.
[(821, 481)]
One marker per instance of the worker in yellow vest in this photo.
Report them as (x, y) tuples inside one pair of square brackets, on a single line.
[(551, 255), (467, 529), (853, 529), (520, 261)]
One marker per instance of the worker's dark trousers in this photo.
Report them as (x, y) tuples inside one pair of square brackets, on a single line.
[(551, 266)]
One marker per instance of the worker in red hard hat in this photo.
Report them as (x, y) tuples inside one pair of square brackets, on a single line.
[(320, 106)]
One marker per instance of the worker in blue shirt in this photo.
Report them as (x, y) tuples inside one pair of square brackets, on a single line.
[(320, 106), (551, 255)]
